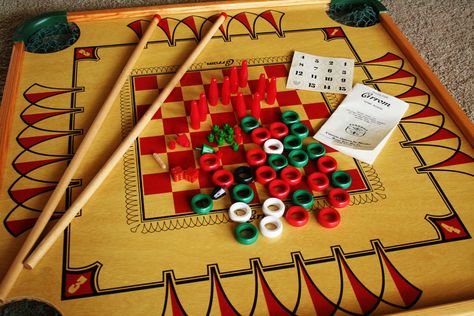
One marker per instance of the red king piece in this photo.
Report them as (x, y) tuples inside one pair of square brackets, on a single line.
[(243, 74), (202, 106), (262, 84), (195, 117), (240, 106), (225, 92), (271, 91), (213, 92), (234, 80), (256, 105)]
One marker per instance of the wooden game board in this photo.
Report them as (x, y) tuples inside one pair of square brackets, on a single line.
[(136, 247)]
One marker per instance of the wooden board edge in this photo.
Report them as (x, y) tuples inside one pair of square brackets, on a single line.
[(188, 8), (456, 308), (440, 92), (8, 102)]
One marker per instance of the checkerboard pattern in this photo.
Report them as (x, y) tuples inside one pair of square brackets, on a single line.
[(169, 198)]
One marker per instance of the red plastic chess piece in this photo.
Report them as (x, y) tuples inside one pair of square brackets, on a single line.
[(262, 84), (243, 74), (234, 80), (202, 106), (183, 140), (256, 105), (225, 93), (191, 174), (172, 144), (195, 115), (240, 106), (271, 91), (239, 139), (177, 173), (213, 92), (237, 130)]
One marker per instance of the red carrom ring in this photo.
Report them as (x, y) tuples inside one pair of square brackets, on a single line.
[(209, 162), (223, 178), (328, 217), (256, 157), (326, 164), (338, 197), (291, 175), (318, 181), (279, 189), (297, 216), (260, 135), (265, 174), (278, 130)]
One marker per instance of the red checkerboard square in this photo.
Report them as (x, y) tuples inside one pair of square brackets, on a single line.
[(316, 110), (141, 109), (191, 78), (224, 117), (156, 183), (288, 98), (176, 95), (230, 157), (182, 201), (145, 83), (357, 181), (200, 138), (276, 71), (184, 159), (253, 85), (175, 125), (270, 115), (205, 180), (152, 144)]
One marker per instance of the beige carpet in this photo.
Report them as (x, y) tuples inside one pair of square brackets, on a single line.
[(441, 30)]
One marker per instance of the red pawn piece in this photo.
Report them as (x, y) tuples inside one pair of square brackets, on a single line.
[(256, 105), (202, 106), (172, 144), (240, 106), (234, 80), (183, 140), (271, 91), (213, 92), (195, 117), (262, 84), (243, 74), (225, 92)]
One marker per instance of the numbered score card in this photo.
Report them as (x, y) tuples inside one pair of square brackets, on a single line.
[(322, 74)]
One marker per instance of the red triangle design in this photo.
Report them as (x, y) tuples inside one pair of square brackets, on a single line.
[(23, 195), (18, 227), (25, 167), (413, 92), (35, 118), (136, 26), (384, 58), (399, 74), (242, 18), (225, 307), (164, 25), (28, 142), (189, 21), (273, 305), (268, 16), (439, 135), (35, 97), (457, 159), (176, 306), (426, 112)]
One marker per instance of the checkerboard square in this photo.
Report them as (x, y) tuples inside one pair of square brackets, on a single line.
[(270, 115), (205, 180), (156, 183), (316, 110), (141, 109), (230, 157), (224, 117), (173, 109), (288, 98), (152, 144), (200, 138), (182, 201), (276, 71), (357, 181), (191, 78), (145, 83), (184, 159), (176, 95), (175, 125)]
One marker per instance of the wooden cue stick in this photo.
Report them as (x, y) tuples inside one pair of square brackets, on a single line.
[(82, 199), (17, 265)]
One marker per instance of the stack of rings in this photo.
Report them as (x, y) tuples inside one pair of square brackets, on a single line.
[(290, 117), (341, 179), (318, 181), (246, 233), (297, 216), (223, 178), (240, 212), (279, 189), (243, 175), (300, 130), (338, 197), (242, 193), (315, 150), (249, 123), (291, 175), (277, 162), (292, 142), (298, 158), (278, 130), (256, 157), (201, 204), (328, 217), (271, 226), (265, 174), (326, 164), (273, 146), (273, 207), (260, 135), (303, 198), (209, 162)]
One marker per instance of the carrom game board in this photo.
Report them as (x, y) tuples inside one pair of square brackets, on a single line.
[(136, 247)]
